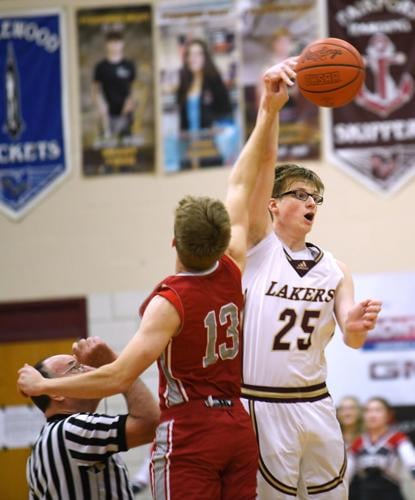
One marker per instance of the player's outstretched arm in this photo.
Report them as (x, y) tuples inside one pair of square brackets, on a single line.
[(355, 320), (143, 412), (160, 323), (263, 147), (255, 157)]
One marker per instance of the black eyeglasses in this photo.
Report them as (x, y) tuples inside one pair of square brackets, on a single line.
[(302, 195)]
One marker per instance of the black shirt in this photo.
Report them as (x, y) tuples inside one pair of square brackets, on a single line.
[(116, 80)]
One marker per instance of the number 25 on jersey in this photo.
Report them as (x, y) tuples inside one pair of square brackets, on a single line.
[(290, 316)]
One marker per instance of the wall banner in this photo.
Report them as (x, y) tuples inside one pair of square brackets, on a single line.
[(271, 31), (33, 109), (199, 67), (117, 89), (373, 138)]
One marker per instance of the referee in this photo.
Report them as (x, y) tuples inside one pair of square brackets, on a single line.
[(75, 456)]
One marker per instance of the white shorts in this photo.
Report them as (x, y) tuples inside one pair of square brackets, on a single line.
[(301, 450)]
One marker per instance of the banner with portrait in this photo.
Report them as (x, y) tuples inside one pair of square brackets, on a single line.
[(117, 89), (200, 119), (271, 31), (34, 143), (373, 138)]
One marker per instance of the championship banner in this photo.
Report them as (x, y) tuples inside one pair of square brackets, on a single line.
[(373, 138), (385, 366), (271, 31), (200, 119), (33, 109), (117, 97)]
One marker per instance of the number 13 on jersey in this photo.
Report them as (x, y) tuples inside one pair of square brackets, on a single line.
[(228, 315)]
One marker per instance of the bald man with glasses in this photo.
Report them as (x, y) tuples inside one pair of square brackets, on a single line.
[(76, 453)]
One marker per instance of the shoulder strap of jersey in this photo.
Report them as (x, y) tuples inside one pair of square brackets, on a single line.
[(230, 263)]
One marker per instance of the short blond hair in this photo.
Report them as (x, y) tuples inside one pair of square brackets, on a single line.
[(202, 231), (288, 173)]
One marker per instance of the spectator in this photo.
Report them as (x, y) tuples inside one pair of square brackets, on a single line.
[(378, 456), (349, 415)]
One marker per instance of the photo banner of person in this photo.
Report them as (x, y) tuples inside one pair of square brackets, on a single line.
[(385, 366), (34, 144), (198, 83), (271, 31), (373, 138), (117, 89)]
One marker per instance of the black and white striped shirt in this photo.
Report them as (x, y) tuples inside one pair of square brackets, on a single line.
[(74, 459)]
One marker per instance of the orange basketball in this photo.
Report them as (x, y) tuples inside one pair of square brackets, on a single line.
[(330, 72)]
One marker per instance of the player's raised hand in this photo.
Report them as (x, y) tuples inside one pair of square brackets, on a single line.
[(29, 381), (363, 316), (275, 80), (93, 351), (284, 70)]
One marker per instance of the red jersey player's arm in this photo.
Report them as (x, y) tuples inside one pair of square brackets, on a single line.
[(159, 324)]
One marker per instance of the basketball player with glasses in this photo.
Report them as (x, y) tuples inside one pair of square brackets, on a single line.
[(294, 294)]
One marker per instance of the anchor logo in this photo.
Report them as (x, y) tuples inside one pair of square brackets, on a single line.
[(388, 96)]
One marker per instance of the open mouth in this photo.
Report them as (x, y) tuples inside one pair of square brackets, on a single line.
[(309, 216)]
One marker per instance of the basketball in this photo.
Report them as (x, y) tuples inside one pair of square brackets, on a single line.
[(330, 72)]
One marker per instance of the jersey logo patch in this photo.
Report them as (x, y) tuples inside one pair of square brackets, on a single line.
[(304, 265)]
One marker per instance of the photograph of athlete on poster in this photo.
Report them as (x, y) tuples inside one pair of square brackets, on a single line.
[(116, 72), (200, 120), (271, 31)]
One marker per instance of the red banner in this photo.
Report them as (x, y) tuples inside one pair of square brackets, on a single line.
[(373, 138)]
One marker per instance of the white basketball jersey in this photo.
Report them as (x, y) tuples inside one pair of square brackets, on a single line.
[(288, 318)]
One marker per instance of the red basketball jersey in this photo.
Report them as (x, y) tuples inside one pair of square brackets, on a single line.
[(203, 359)]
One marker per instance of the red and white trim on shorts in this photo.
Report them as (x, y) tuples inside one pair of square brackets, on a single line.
[(160, 461)]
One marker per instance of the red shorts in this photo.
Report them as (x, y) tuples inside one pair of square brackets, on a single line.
[(205, 454)]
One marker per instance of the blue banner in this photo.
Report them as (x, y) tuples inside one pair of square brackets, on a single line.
[(33, 143)]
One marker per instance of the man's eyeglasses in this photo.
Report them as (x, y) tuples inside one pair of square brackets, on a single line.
[(75, 368), (302, 195)]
